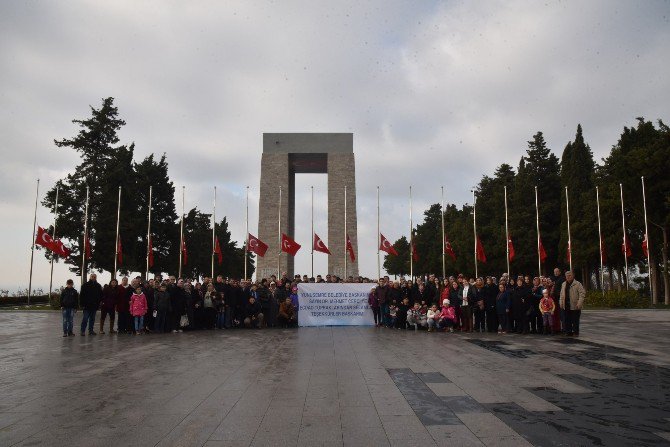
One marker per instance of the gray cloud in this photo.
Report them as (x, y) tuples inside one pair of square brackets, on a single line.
[(436, 94)]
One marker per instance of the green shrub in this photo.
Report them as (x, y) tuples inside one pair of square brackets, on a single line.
[(614, 299), (54, 301), (22, 300)]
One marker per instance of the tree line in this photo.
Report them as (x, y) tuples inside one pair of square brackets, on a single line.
[(643, 150)]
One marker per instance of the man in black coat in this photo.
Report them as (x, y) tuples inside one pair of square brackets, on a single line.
[(69, 298), (89, 300), (521, 306)]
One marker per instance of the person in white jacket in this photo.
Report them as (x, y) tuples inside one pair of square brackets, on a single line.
[(431, 316)]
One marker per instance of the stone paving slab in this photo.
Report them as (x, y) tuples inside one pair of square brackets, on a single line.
[(342, 386)]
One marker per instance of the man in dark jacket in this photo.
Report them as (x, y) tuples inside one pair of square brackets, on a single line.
[(69, 298), (382, 299), (490, 294), (89, 299), (253, 314), (521, 306)]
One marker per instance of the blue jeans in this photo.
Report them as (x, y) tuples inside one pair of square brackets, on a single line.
[(88, 316), (386, 314), (68, 320), (220, 320), (139, 323)]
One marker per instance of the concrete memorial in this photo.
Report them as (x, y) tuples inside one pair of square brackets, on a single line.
[(288, 154)]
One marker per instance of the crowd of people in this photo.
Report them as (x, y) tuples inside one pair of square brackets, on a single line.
[(542, 305), (539, 305)]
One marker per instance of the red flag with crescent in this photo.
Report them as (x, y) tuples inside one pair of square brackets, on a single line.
[(415, 254), (626, 249), (217, 250), (543, 252), (319, 245), (151, 252), (119, 251), (448, 249), (510, 248), (350, 249), (568, 254), (256, 245), (385, 245), (61, 249), (481, 255), (44, 239), (288, 245), (645, 246), (87, 247), (184, 252)]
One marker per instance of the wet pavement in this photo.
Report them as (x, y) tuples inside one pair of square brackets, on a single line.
[(337, 386)]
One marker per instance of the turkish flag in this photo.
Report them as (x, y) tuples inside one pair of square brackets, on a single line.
[(603, 251), (184, 252), (645, 246), (44, 239), (448, 249), (119, 251), (61, 249), (150, 250), (256, 245), (385, 245), (217, 250), (350, 249), (481, 255), (543, 253), (415, 254), (319, 245), (510, 247), (626, 249), (289, 245), (87, 247)]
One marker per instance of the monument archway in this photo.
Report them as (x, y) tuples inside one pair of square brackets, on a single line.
[(284, 156)]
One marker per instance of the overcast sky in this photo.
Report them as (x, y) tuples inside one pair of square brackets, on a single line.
[(435, 93)]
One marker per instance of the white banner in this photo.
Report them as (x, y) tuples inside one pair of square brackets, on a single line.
[(339, 304)]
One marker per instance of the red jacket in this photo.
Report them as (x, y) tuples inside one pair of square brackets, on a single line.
[(138, 305)]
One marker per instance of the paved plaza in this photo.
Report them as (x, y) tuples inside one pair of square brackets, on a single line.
[(336, 386)]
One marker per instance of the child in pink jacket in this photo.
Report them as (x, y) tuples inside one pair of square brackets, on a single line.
[(138, 307)]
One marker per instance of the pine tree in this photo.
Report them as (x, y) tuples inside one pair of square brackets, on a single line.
[(102, 170), (577, 173), (539, 167)]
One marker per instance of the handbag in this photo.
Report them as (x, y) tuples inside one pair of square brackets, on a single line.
[(183, 321)]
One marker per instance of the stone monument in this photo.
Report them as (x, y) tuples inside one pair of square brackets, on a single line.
[(284, 156)]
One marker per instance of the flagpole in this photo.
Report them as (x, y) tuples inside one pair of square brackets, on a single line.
[(444, 270), (646, 235), (507, 230), (625, 239), (474, 227), (345, 233), (149, 232), (379, 269), (213, 231), (411, 238), (246, 242), (537, 226), (567, 209), (279, 239), (32, 247), (181, 231), (116, 250), (53, 236), (86, 242), (600, 243), (312, 188)]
